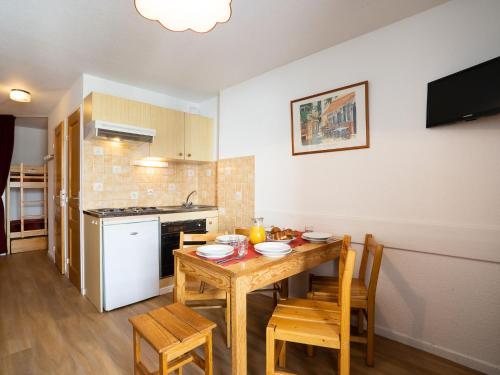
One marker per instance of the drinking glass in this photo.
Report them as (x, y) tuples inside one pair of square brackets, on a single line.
[(308, 228), (243, 247)]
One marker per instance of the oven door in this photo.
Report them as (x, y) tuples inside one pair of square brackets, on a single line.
[(170, 241)]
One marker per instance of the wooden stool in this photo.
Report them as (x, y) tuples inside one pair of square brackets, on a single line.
[(173, 331)]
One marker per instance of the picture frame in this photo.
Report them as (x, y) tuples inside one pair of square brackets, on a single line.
[(334, 120)]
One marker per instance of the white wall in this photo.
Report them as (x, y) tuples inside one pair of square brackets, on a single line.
[(430, 195), (105, 86), (30, 146)]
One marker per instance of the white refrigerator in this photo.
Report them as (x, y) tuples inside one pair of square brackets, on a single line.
[(131, 267)]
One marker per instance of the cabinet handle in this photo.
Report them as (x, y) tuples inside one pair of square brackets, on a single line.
[(180, 153), (189, 155)]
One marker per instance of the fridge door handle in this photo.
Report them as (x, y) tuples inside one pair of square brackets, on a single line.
[(134, 233)]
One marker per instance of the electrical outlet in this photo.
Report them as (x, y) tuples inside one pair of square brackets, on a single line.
[(98, 151), (97, 186), (209, 172), (171, 187), (190, 173), (150, 192), (238, 196), (222, 211), (134, 195), (117, 169)]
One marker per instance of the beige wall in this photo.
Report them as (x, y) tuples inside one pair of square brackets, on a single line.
[(169, 186)]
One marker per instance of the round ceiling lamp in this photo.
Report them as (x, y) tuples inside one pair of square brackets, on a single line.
[(22, 96), (181, 15)]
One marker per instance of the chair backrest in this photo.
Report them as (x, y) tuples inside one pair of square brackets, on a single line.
[(345, 280), (374, 249), (346, 244), (243, 231), (186, 238)]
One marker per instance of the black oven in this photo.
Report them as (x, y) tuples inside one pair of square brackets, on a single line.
[(170, 241)]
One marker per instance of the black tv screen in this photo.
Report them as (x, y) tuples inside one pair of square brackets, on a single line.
[(464, 95)]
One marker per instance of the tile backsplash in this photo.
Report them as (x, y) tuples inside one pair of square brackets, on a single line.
[(236, 192), (111, 181)]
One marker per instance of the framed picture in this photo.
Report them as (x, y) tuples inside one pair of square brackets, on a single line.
[(335, 120)]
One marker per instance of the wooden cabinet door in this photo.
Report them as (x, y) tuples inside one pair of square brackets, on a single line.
[(59, 199), (93, 260), (118, 110), (198, 138), (74, 199), (169, 140)]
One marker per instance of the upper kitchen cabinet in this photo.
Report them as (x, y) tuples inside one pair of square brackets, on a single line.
[(198, 138), (169, 140), (98, 106)]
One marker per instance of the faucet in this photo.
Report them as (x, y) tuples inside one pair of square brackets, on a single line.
[(187, 203)]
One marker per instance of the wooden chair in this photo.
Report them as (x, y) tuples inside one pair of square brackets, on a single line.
[(313, 322), (173, 331), (205, 296), (326, 288), (281, 287)]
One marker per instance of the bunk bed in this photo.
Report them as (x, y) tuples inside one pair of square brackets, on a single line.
[(28, 232)]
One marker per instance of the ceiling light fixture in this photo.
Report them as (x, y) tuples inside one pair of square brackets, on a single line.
[(181, 15), (22, 96)]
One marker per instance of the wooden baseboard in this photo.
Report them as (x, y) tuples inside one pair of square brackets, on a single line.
[(28, 244)]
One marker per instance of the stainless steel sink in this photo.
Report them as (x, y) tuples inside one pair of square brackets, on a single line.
[(194, 207)]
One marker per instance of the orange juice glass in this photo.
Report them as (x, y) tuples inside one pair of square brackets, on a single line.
[(257, 232)]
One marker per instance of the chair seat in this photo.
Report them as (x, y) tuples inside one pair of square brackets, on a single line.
[(307, 322), (326, 288), (168, 326)]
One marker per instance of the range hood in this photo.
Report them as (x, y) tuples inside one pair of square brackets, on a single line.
[(114, 132)]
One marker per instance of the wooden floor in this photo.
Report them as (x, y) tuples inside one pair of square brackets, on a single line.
[(47, 327)]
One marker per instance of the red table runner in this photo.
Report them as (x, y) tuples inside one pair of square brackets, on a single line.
[(251, 253)]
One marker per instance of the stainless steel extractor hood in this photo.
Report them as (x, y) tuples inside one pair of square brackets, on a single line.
[(118, 132)]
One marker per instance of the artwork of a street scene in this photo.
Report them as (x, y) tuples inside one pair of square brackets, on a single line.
[(335, 120), (324, 121)]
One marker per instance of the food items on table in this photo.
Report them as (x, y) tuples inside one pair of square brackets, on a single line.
[(279, 234)]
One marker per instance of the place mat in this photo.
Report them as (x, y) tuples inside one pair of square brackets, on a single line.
[(251, 254)]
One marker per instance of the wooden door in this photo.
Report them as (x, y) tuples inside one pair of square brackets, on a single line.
[(74, 198), (198, 138), (59, 198), (169, 139)]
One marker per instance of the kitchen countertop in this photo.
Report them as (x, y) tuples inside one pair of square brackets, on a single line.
[(162, 210)]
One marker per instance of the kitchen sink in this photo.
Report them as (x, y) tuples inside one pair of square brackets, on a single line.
[(194, 207)]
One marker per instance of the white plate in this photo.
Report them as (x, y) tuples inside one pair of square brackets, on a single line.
[(318, 236), (214, 251), (226, 238), (273, 249)]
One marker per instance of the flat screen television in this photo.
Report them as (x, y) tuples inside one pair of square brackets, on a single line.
[(465, 95)]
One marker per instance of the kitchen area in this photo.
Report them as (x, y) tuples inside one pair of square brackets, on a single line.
[(150, 173)]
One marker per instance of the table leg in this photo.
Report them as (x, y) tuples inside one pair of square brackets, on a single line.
[(180, 283), (238, 327)]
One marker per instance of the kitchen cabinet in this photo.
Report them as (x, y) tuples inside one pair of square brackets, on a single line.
[(93, 260), (98, 106), (169, 140), (198, 138), (179, 135)]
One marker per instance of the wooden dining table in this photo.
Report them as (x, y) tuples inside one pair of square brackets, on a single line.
[(243, 277)]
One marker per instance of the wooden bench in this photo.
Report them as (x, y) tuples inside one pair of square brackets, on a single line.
[(173, 332)]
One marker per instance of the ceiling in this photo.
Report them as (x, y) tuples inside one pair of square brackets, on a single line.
[(46, 45)]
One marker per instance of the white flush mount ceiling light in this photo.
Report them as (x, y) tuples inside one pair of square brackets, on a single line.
[(181, 15), (22, 96)]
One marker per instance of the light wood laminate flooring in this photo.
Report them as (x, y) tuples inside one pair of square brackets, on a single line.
[(47, 327)]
